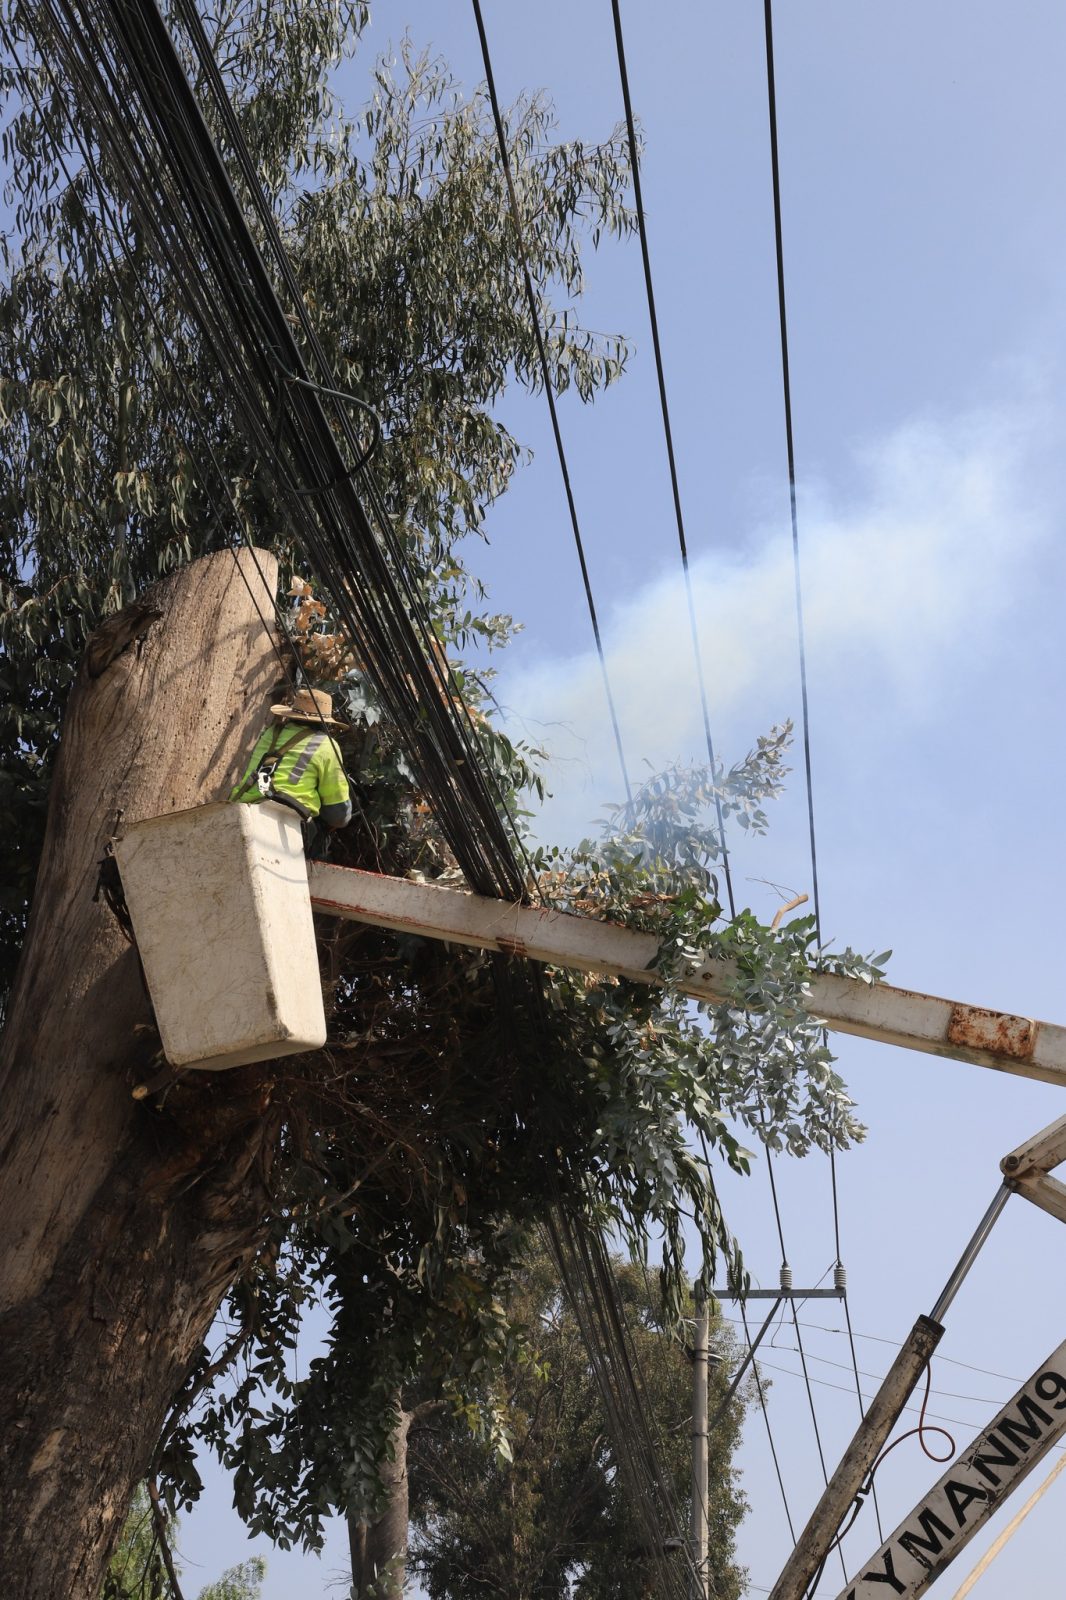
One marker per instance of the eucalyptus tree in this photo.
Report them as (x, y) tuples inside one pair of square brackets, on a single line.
[(554, 1519), (394, 1177)]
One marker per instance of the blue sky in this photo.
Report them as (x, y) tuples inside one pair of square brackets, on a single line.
[(924, 236)]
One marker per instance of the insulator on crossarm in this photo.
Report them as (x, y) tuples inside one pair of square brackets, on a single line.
[(840, 1277), (786, 1278)]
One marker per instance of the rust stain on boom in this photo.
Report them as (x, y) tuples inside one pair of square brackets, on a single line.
[(977, 1028)]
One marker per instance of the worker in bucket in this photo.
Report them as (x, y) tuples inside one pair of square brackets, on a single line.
[(297, 762)]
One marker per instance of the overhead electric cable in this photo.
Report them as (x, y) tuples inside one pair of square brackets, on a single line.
[(790, 450), (105, 244), (584, 1268), (792, 1307), (799, 1339), (243, 321), (642, 226), (847, 1320), (951, 1361), (331, 478), (769, 1430), (879, 1377), (664, 406), (107, 252), (549, 389), (956, 1422), (775, 166)]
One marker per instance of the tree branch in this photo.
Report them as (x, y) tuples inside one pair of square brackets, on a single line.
[(426, 1408), (184, 1402), (159, 1522)]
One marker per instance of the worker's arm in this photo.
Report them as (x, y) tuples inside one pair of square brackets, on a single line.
[(337, 816), (336, 809)]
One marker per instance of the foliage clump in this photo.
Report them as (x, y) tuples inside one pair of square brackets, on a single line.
[(555, 1520), (663, 1065)]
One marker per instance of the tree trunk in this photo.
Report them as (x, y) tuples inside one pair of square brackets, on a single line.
[(379, 1549), (124, 1222)]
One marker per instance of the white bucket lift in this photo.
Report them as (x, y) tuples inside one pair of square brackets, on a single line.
[(220, 908)]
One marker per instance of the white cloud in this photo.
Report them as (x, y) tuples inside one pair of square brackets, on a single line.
[(906, 582)]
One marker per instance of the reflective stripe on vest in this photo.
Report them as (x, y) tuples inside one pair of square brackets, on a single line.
[(303, 760)]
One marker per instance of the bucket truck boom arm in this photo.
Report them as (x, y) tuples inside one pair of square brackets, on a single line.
[(973, 1488), (982, 1476)]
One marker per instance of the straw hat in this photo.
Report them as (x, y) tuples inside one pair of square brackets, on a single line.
[(308, 705)]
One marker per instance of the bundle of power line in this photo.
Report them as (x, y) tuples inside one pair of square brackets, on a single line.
[(132, 94)]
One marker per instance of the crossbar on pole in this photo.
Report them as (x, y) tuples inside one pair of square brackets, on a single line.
[(781, 1294)]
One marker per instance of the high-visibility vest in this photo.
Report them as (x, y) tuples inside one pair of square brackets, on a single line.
[(306, 766)]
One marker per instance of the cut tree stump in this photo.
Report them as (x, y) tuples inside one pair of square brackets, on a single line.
[(123, 1223)]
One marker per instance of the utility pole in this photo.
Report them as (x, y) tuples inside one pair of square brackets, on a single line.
[(112, 1271), (698, 1526)]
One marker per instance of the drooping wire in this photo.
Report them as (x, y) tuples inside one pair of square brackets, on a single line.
[(549, 389), (769, 1430), (585, 1273), (105, 244), (868, 1484), (231, 301), (799, 1337), (790, 450), (642, 226)]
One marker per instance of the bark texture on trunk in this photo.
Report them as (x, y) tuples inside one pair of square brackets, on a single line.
[(124, 1223), (379, 1549)]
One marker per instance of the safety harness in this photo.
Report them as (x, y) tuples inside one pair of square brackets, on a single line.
[(263, 776)]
